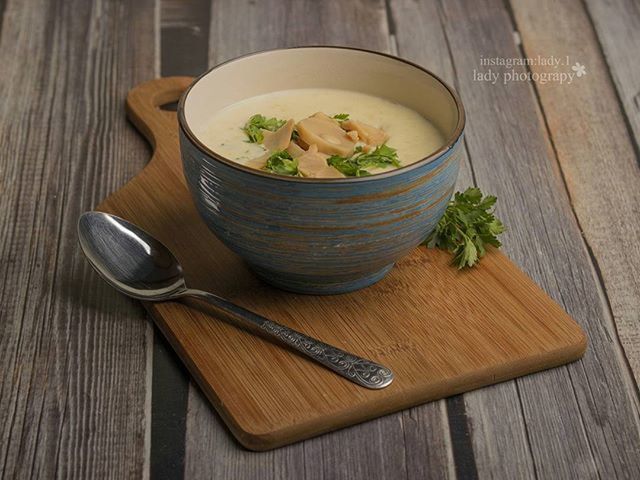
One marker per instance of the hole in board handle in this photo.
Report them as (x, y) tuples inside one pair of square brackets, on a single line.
[(170, 107)]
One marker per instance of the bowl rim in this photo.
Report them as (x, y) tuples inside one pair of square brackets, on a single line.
[(450, 142)]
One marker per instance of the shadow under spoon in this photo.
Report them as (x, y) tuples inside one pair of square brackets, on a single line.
[(138, 265)]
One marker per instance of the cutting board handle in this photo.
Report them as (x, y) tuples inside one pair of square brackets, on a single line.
[(143, 107)]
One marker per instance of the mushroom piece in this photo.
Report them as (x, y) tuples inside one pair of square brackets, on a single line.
[(295, 150), (325, 132), (367, 133), (353, 135), (273, 142), (366, 148), (259, 162), (280, 139), (313, 164)]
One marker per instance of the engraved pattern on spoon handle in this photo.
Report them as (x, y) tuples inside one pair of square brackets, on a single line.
[(356, 369)]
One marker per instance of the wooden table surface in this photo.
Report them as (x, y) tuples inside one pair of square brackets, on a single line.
[(88, 389)]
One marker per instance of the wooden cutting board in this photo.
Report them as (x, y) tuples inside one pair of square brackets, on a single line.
[(441, 331)]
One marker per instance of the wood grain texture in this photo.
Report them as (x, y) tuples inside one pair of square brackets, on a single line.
[(414, 25), (71, 348), (260, 25), (276, 24), (184, 37), (418, 24), (568, 413), (596, 155), (617, 24), (442, 331), (73, 352), (270, 24)]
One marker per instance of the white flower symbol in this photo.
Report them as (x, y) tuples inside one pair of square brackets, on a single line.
[(579, 69)]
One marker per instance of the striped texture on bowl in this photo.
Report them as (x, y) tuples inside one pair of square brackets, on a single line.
[(325, 237)]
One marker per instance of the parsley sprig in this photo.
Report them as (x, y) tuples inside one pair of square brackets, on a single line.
[(341, 117), (283, 164), (359, 162), (254, 126), (467, 226)]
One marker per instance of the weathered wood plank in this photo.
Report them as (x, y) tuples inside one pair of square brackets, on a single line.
[(416, 25), (275, 24), (599, 164), (184, 37), (184, 49), (596, 154), (372, 450), (2, 4), (73, 352), (169, 396), (419, 24), (617, 24), (580, 420), (208, 437)]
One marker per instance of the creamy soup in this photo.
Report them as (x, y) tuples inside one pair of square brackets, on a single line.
[(318, 132)]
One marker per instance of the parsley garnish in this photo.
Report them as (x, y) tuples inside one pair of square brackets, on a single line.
[(359, 162), (254, 126), (341, 117), (467, 226), (283, 164)]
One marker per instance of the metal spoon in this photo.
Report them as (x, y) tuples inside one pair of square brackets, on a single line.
[(138, 265)]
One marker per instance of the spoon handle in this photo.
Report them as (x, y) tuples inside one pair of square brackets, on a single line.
[(359, 370)]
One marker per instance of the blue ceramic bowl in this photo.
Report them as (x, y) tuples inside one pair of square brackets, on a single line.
[(320, 236)]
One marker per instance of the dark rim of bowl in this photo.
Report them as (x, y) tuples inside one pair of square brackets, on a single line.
[(449, 144)]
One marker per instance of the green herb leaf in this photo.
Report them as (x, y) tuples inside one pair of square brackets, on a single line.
[(467, 226), (341, 117), (282, 163), (346, 166), (359, 162), (382, 156), (254, 126)]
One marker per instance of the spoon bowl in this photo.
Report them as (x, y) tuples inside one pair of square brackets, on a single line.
[(130, 259)]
